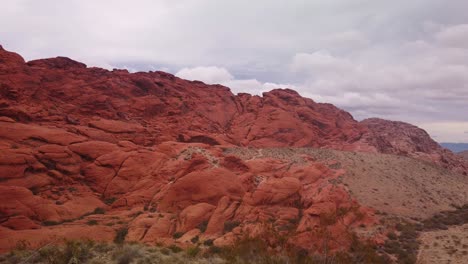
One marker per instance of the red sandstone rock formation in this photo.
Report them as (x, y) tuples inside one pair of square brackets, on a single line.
[(146, 151), (400, 138)]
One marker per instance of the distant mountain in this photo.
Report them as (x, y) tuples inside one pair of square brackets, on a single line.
[(455, 147)]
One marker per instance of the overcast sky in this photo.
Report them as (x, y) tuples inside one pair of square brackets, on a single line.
[(400, 60)]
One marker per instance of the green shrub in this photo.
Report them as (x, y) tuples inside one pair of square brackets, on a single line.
[(193, 252), (120, 235), (214, 250), (202, 226), (230, 225), (126, 254), (195, 239), (110, 200), (392, 236), (175, 248), (99, 210), (177, 235), (208, 242)]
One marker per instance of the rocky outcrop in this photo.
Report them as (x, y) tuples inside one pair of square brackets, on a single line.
[(150, 108), (399, 138), (152, 154)]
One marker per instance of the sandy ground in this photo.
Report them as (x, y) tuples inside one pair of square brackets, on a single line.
[(445, 246)]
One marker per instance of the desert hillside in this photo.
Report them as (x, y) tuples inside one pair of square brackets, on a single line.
[(464, 154), (88, 153)]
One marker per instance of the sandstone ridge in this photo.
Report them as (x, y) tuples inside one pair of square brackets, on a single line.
[(86, 152)]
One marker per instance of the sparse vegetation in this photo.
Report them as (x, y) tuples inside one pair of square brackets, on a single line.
[(127, 253), (92, 222), (99, 210), (175, 248), (177, 235), (230, 225), (195, 239), (208, 242), (120, 235), (248, 250), (202, 226), (110, 200), (193, 251)]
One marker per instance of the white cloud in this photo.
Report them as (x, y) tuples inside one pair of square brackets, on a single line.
[(219, 75), (447, 131), (347, 40), (320, 63), (211, 74), (427, 83), (454, 36)]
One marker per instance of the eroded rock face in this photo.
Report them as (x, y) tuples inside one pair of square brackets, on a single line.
[(149, 152), (400, 138), (150, 108), (194, 190)]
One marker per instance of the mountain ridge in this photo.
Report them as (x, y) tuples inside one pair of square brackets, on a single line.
[(152, 150)]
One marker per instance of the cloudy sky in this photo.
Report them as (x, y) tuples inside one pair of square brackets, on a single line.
[(400, 60)]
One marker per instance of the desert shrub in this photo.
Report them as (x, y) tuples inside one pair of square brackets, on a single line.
[(175, 248), (52, 255), (214, 250), (193, 251), (392, 236), (79, 250), (362, 252), (246, 250), (70, 252), (165, 251), (230, 225), (103, 247), (406, 245), (177, 235), (120, 235), (92, 222), (110, 200), (391, 247), (195, 239), (126, 254), (202, 226), (99, 210), (208, 242)]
